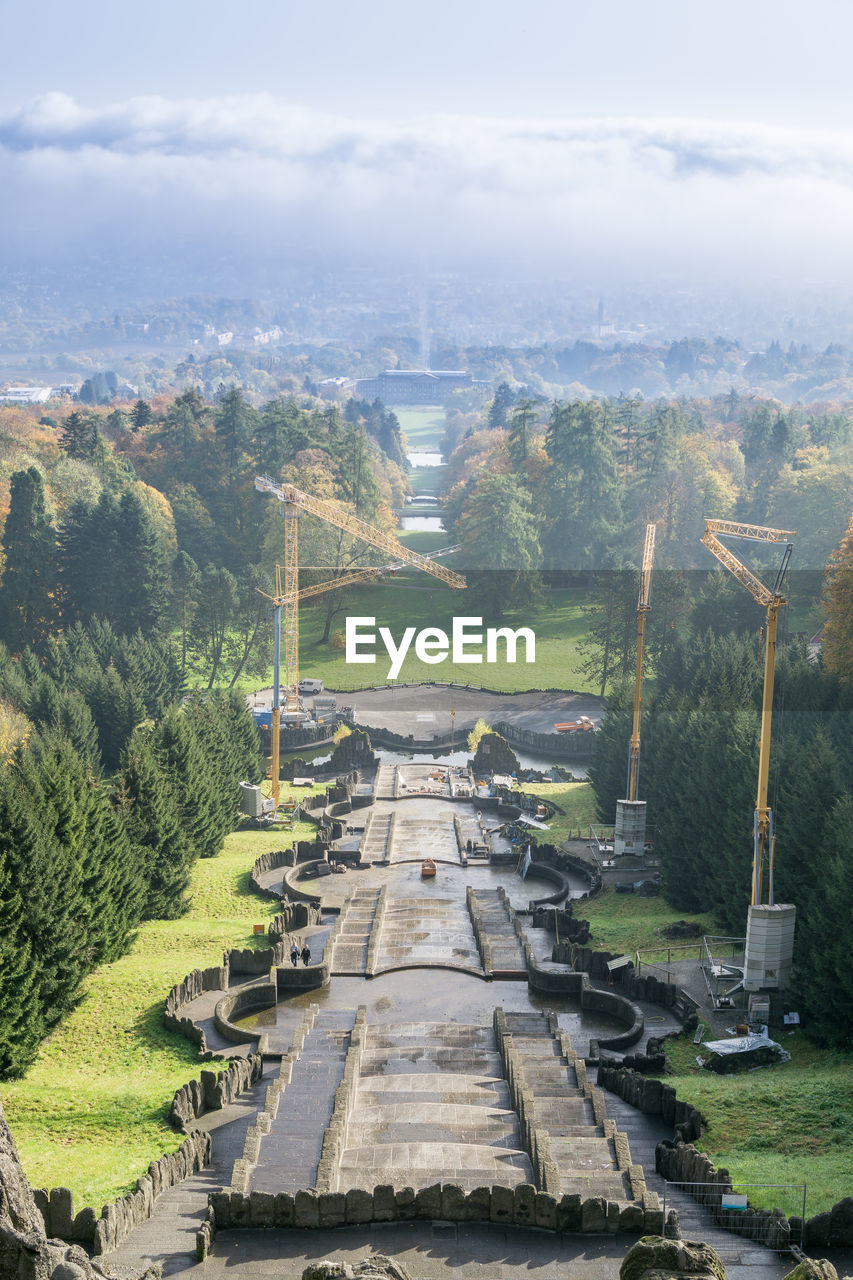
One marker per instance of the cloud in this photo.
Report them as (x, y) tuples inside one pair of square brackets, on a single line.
[(642, 194)]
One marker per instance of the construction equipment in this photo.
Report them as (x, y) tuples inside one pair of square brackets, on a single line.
[(771, 600), (630, 831), (572, 726), (287, 596), (642, 611)]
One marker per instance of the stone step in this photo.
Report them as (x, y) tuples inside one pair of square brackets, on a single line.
[(390, 1062), (395, 1035), (411, 1090), (611, 1186), (490, 1132), (433, 1156), (583, 1153)]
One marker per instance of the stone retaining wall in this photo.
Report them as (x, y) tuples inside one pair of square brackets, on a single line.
[(521, 1206), (270, 862), (258, 996), (682, 1163), (565, 982), (192, 986), (334, 1139), (119, 1218), (651, 1096), (214, 1090)]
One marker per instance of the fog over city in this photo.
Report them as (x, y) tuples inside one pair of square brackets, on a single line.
[(708, 146), (627, 195)]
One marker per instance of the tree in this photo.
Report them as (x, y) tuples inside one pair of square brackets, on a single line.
[(838, 609), (499, 532), (610, 643), (151, 809), (78, 436), (28, 591), (585, 509), (215, 603)]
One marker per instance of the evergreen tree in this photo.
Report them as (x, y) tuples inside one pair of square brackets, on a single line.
[(78, 437), (21, 1025), (28, 591), (149, 804), (139, 572)]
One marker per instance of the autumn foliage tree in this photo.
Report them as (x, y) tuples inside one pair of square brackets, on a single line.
[(838, 604)]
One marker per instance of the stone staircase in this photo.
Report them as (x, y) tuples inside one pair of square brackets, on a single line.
[(376, 838), (385, 786), (434, 932), (430, 1104), (417, 837), (494, 928), (574, 1147), (349, 949), (282, 1149)]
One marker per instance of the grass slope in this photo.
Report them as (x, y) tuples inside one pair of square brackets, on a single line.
[(423, 427), (91, 1112), (790, 1124), (415, 601)]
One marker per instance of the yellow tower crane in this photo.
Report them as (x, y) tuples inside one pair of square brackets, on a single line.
[(642, 611), (771, 600), (286, 599)]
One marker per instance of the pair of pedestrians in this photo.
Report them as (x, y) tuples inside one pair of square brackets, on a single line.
[(296, 954)]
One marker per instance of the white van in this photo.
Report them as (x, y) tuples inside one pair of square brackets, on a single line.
[(310, 686)]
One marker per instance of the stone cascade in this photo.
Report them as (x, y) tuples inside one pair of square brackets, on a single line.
[(349, 951), (385, 786), (470, 830), (495, 929), (283, 1149), (575, 1148), (376, 839), (425, 836), (430, 1102), (415, 932)]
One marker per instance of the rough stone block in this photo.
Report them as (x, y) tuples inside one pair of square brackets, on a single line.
[(569, 1213), (283, 1210), (332, 1208), (503, 1204), (306, 1212), (404, 1199), (841, 1224), (428, 1201), (671, 1257), (220, 1203), (524, 1207), (594, 1214), (631, 1218), (612, 1216), (452, 1202), (83, 1227), (384, 1207), (61, 1212), (478, 1204), (262, 1209), (545, 1211), (239, 1209), (359, 1206)]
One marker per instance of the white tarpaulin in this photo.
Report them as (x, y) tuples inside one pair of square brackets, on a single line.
[(740, 1044)]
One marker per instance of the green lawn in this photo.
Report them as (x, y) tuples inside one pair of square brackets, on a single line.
[(91, 1112), (787, 1124), (418, 601), (427, 480), (577, 801), (628, 922), (423, 427)]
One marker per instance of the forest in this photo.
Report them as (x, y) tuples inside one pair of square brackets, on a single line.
[(136, 552)]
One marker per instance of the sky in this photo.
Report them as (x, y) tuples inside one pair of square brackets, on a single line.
[(710, 140)]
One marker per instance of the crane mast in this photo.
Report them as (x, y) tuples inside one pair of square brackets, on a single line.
[(642, 611), (287, 594), (771, 600)]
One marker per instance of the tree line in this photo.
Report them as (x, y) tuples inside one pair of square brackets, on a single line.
[(112, 786), (698, 774)]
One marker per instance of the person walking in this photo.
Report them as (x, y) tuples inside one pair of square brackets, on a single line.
[(306, 955), (294, 954)]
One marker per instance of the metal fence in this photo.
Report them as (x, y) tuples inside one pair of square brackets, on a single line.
[(728, 1219)]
